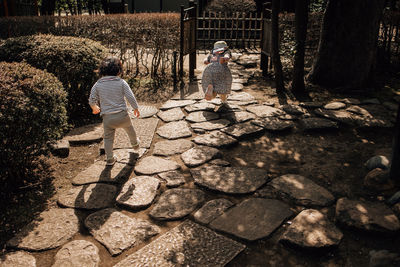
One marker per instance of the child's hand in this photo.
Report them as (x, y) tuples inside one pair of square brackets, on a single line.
[(136, 113), (95, 109)]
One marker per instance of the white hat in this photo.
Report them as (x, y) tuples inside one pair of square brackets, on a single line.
[(220, 46)]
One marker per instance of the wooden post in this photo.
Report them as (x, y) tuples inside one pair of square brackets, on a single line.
[(174, 74), (193, 33), (181, 44)]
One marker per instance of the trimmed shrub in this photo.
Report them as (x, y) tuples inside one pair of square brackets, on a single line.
[(72, 60), (32, 113)]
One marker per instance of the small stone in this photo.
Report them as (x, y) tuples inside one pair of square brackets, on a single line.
[(378, 180), (60, 148), (211, 210), (77, 253), (335, 105), (394, 199), (173, 178), (318, 124), (18, 259), (152, 165), (138, 192), (199, 155), (377, 162)]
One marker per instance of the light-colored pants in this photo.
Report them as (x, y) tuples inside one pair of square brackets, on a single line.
[(112, 122)]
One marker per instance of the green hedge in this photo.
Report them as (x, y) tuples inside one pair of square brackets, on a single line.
[(72, 60), (32, 113)]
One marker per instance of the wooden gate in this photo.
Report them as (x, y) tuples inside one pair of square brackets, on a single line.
[(266, 44), (188, 37)]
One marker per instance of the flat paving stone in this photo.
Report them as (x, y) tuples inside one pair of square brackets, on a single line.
[(201, 106), (335, 105), (174, 114), (52, 229), (242, 96), (201, 116), (211, 125), (311, 229), (172, 147), (366, 215), (238, 116), (265, 111), (176, 104), (77, 253), (188, 244), (339, 115), (199, 155), (92, 133), (211, 210), (253, 219), (273, 124), (147, 111), (117, 231), (302, 190), (310, 124), (138, 192), (215, 139), (220, 162), (129, 156), (152, 165), (18, 259), (232, 180), (174, 130), (91, 196), (237, 87), (176, 203), (144, 128), (173, 178), (242, 103), (242, 130), (99, 172)]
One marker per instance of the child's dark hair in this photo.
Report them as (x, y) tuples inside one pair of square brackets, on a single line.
[(110, 66)]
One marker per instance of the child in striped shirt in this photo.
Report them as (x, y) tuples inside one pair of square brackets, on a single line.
[(107, 97)]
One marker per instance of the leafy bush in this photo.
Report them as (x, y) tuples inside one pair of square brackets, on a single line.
[(32, 113), (72, 60)]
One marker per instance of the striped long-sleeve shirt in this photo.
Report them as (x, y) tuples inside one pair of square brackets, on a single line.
[(109, 92)]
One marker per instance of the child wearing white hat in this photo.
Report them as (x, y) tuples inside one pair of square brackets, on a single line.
[(217, 78)]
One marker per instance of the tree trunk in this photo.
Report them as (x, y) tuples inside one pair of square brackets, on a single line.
[(276, 59), (48, 7), (348, 42), (395, 162), (301, 19)]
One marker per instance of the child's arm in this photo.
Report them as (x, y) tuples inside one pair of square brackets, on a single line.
[(131, 98), (94, 100), (95, 109)]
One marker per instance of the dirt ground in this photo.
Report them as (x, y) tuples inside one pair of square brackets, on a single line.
[(332, 159)]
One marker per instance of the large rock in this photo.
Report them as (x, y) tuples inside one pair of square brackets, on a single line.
[(53, 229), (312, 230), (188, 244), (242, 130), (215, 139), (201, 116), (211, 125), (117, 231), (366, 215), (273, 124), (138, 192), (253, 219), (176, 103), (265, 111), (302, 190), (18, 259), (76, 254), (174, 114), (92, 133), (177, 203), (199, 155), (152, 165), (173, 178), (211, 210), (172, 147), (92, 196), (377, 162), (232, 180), (99, 172), (174, 130)]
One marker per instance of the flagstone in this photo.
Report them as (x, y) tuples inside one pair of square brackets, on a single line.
[(199, 155), (138, 192), (231, 180), (211, 125), (215, 139), (18, 259), (91, 196), (242, 130), (201, 106), (92, 133), (173, 178), (201, 116), (117, 231), (242, 96), (211, 210), (77, 253), (335, 105), (273, 124), (172, 147), (52, 229), (188, 244), (174, 114), (253, 219), (174, 130), (177, 203), (264, 111), (238, 116), (152, 165), (176, 103)]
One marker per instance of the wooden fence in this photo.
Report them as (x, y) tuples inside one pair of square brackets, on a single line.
[(389, 37), (240, 30)]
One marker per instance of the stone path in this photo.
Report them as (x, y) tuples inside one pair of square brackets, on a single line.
[(178, 180)]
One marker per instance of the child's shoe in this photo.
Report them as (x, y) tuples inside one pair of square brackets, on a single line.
[(136, 145), (111, 162)]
